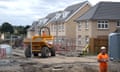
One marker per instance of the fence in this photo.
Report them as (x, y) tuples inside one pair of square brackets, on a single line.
[(65, 47), (15, 43), (69, 46), (2, 52), (96, 43)]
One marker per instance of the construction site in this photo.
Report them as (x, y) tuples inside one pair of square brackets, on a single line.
[(80, 38), (36, 56), (17, 62)]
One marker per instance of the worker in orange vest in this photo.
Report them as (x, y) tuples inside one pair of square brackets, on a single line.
[(103, 59), (43, 33)]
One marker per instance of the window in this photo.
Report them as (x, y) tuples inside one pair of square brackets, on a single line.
[(57, 15), (54, 27), (65, 14), (63, 27), (86, 39), (44, 21), (59, 27), (40, 21), (79, 26), (118, 23), (79, 39), (86, 24), (102, 24)]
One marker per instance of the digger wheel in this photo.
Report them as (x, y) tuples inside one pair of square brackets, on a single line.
[(52, 50), (28, 52), (45, 52)]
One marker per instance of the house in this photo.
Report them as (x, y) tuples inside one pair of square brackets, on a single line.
[(32, 30), (62, 25), (94, 26), (51, 23), (36, 25)]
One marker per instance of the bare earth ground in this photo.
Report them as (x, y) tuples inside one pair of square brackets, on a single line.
[(18, 63)]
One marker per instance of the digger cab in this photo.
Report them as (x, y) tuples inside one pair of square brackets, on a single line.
[(44, 33)]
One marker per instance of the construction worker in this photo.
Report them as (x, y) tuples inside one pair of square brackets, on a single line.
[(103, 59), (43, 33)]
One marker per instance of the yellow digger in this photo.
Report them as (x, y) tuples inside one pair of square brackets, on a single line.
[(43, 43)]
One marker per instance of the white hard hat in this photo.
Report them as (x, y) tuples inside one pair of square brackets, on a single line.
[(49, 42), (103, 47)]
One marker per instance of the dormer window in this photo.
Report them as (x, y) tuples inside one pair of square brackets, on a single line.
[(44, 21), (57, 15), (65, 14), (40, 21)]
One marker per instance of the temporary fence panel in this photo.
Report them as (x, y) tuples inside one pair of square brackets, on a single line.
[(65, 46), (2, 52), (114, 46)]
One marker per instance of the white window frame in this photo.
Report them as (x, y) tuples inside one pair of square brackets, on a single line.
[(86, 24), (44, 21), (59, 27), (57, 16), (87, 39), (79, 26), (79, 40), (55, 27), (65, 14), (52, 27), (118, 21), (62, 26), (101, 24)]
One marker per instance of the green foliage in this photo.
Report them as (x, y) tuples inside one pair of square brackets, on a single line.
[(25, 28), (21, 29), (16, 30), (7, 27)]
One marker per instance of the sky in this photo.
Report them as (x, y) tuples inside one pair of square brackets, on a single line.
[(24, 12)]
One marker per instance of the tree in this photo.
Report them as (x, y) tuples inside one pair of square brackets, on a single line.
[(21, 30), (26, 28), (7, 27)]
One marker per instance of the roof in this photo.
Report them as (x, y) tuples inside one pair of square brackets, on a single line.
[(102, 10), (49, 17), (32, 28), (72, 9), (52, 15)]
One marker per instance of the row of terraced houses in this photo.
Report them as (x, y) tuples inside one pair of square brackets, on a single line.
[(87, 24)]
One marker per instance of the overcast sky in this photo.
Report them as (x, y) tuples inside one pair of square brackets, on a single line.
[(24, 12)]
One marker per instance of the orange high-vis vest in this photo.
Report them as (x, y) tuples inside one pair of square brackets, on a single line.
[(103, 65), (44, 34)]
